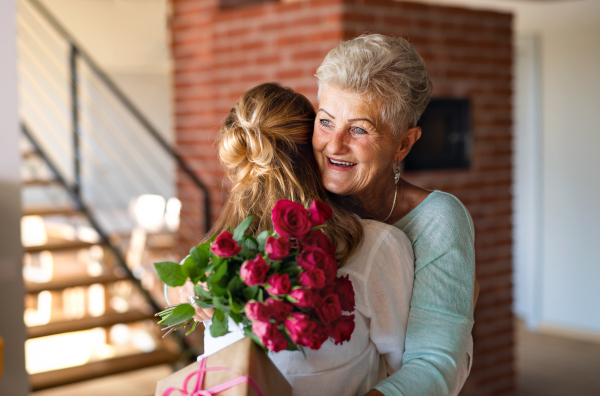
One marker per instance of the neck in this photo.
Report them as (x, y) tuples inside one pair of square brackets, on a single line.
[(378, 204)]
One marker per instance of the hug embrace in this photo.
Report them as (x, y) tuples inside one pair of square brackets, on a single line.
[(408, 252)]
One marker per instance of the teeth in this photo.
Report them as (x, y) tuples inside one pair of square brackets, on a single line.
[(341, 163)]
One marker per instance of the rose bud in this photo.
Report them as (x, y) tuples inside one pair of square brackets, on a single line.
[(299, 326), (329, 308), (305, 298), (330, 267), (257, 311), (342, 329), (253, 272), (317, 337), (225, 246), (345, 291), (312, 257), (269, 335), (314, 279), (279, 284), (278, 248), (290, 219), (278, 310), (318, 239), (318, 213)]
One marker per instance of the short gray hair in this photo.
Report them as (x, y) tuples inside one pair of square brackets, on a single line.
[(386, 70)]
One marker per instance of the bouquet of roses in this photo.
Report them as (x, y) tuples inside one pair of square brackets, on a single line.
[(281, 287)]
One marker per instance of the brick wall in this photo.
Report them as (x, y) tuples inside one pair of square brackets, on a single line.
[(220, 52)]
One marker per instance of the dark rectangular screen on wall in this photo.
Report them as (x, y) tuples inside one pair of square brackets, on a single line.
[(445, 137)]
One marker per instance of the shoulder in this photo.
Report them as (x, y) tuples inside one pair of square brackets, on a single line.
[(380, 240)]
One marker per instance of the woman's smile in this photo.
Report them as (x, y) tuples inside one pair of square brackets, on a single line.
[(340, 165)]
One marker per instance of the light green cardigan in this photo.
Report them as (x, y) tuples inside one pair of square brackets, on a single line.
[(440, 320)]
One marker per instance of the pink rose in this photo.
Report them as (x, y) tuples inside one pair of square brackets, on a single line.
[(299, 327), (314, 279), (342, 329), (312, 257), (345, 291), (329, 308), (225, 246), (279, 284), (330, 267), (257, 311), (290, 219), (305, 298), (318, 239), (319, 335), (318, 213), (253, 272), (279, 310), (278, 248), (269, 335)]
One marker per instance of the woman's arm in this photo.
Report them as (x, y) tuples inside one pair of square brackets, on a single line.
[(438, 347)]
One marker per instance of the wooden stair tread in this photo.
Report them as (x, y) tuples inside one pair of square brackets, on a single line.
[(99, 369), (87, 323), (64, 283), (49, 211), (61, 245), (40, 182)]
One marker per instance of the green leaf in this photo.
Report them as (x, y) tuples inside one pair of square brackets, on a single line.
[(237, 318), (180, 314), (318, 227), (219, 325), (218, 290), (235, 285), (192, 329), (220, 272), (205, 304), (275, 265), (249, 333), (236, 304), (250, 242), (291, 299), (191, 270), (259, 296), (262, 240), (221, 304), (250, 292), (212, 238), (201, 254), (201, 292), (238, 233), (170, 273)]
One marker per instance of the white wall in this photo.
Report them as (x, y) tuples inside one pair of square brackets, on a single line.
[(557, 226), (15, 380)]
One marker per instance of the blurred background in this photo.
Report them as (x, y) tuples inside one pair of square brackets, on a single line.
[(108, 115)]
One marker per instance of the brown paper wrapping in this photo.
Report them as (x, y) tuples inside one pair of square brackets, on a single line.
[(246, 358)]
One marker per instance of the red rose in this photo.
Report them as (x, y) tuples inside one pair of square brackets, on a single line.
[(318, 212), (342, 329), (312, 257), (269, 335), (318, 239), (305, 298), (314, 279), (345, 291), (225, 246), (278, 248), (279, 284), (253, 272), (257, 311), (318, 336), (327, 290), (290, 219), (278, 310), (299, 327), (329, 308), (329, 267)]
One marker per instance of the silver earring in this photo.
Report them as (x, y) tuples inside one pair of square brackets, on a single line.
[(396, 172)]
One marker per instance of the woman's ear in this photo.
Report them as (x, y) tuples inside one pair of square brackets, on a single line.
[(407, 141)]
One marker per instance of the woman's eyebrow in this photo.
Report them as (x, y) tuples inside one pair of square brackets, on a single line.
[(326, 113), (363, 119)]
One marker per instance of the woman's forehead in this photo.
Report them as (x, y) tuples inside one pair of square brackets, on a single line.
[(347, 104)]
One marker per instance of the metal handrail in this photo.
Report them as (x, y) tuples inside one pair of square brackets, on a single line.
[(79, 52)]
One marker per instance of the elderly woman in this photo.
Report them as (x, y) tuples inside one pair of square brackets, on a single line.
[(372, 92)]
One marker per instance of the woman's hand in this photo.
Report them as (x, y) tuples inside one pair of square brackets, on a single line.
[(183, 296)]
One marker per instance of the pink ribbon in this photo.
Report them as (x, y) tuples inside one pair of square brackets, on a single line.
[(215, 389)]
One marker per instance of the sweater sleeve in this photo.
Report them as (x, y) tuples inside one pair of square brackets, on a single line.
[(438, 338)]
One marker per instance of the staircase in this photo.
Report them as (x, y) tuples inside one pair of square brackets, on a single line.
[(99, 187)]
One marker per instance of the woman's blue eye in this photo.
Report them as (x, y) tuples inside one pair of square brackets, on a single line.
[(359, 130), (325, 122)]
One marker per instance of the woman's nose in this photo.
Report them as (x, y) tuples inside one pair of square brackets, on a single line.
[(337, 143)]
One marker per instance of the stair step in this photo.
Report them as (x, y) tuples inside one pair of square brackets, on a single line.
[(99, 369), (40, 182), (61, 284), (41, 211), (62, 245), (87, 323)]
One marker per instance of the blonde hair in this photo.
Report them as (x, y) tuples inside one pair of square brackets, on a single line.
[(265, 146), (386, 70)]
